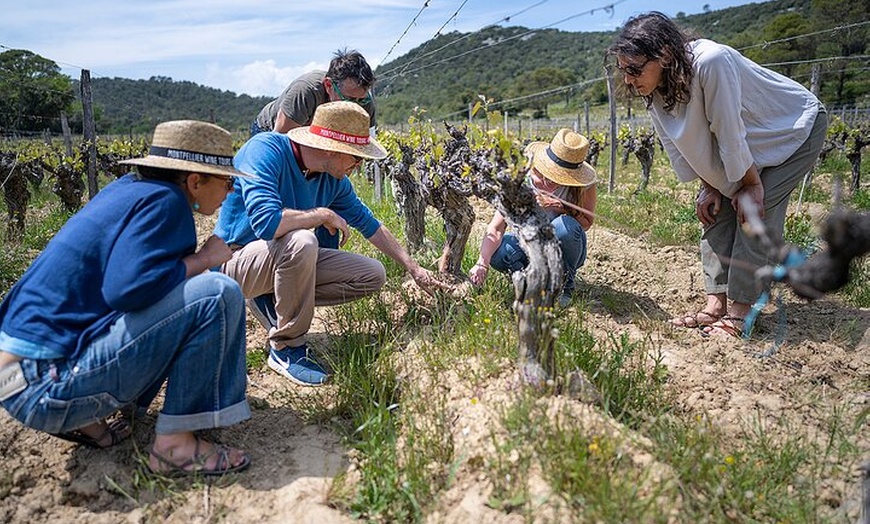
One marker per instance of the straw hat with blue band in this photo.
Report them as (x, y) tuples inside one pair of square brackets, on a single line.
[(563, 160), (193, 146)]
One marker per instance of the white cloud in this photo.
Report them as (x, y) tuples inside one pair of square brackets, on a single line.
[(258, 78), (258, 46)]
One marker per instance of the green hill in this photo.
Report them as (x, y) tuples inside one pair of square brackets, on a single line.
[(511, 65), (447, 73), (125, 106)]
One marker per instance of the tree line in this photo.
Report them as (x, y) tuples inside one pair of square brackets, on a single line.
[(447, 74)]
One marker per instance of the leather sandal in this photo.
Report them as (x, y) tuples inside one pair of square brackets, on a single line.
[(727, 325), (698, 319), (195, 465), (115, 432)]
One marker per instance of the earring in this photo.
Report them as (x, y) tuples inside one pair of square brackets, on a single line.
[(196, 206)]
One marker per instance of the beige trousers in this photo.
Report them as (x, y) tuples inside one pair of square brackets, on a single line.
[(302, 275)]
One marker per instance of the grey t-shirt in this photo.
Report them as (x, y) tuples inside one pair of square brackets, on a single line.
[(299, 101)]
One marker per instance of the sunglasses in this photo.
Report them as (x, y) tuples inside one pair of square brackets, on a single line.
[(633, 70), (228, 180), (361, 101)]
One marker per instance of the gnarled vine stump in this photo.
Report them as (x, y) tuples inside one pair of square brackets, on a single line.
[(15, 194), (535, 287), (448, 191), (410, 199)]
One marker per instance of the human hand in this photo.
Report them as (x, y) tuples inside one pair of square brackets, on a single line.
[(707, 205), (215, 251), (426, 280), (333, 223), (477, 275), (752, 198), (549, 203)]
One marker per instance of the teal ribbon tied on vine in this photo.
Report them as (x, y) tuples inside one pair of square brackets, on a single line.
[(779, 273)]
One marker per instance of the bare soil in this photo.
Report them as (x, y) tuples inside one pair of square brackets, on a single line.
[(628, 286)]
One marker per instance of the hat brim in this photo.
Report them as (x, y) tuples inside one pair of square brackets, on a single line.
[(373, 150), (186, 165), (583, 175)]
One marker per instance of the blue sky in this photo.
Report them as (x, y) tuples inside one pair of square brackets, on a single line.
[(258, 46)]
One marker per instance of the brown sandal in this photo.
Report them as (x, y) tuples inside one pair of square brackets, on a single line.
[(698, 319), (195, 465), (115, 432), (727, 325)]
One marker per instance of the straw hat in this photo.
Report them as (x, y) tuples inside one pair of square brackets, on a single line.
[(339, 126), (191, 145), (563, 159)]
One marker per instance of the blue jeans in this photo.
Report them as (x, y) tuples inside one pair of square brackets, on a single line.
[(193, 339), (510, 257)]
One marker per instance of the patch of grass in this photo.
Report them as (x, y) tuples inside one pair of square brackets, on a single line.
[(630, 378), (41, 225), (401, 442), (401, 438), (857, 291), (661, 215), (595, 478), (800, 231), (815, 192), (587, 473), (754, 478), (485, 329), (860, 200), (508, 468), (256, 358)]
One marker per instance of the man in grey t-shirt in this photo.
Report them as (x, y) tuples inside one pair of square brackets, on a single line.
[(349, 78)]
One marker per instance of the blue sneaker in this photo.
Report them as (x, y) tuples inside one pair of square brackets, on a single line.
[(263, 309), (295, 364)]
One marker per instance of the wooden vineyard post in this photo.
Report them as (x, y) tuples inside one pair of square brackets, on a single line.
[(611, 94), (90, 133), (67, 135)]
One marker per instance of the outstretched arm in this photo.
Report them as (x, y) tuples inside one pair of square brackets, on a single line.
[(384, 240), (491, 241)]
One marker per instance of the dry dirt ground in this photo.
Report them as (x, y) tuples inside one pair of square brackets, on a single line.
[(628, 287)]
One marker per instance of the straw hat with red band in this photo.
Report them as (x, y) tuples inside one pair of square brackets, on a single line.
[(191, 145), (339, 126), (563, 159)]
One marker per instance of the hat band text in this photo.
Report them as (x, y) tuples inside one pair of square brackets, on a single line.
[(338, 135), (561, 163), (192, 156)]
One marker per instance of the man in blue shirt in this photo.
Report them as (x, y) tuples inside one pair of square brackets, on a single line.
[(302, 185)]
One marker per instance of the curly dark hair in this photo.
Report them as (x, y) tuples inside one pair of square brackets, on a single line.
[(655, 36), (351, 64)]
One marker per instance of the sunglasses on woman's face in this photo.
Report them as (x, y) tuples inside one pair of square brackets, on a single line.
[(633, 70), (228, 180)]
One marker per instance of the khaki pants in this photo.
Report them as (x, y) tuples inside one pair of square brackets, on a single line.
[(728, 255), (302, 275)]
